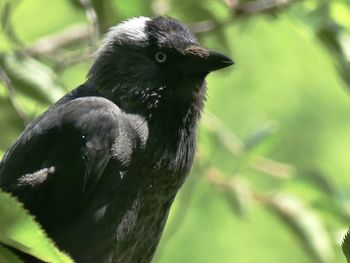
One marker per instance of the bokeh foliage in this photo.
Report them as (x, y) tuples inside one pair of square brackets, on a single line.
[(269, 183)]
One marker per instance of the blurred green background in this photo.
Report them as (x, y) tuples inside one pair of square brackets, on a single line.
[(269, 183)]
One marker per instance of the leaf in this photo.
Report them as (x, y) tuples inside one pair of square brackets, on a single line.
[(340, 13), (7, 256), (305, 224), (32, 77), (260, 135), (321, 181), (346, 246), (19, 230)]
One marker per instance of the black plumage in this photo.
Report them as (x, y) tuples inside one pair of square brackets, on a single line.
[(101, 167)]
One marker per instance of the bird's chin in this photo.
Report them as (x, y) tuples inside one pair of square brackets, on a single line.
[(202, 74), (198, 76), (197, 81)]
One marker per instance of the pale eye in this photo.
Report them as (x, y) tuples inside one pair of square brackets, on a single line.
[(160, 57)]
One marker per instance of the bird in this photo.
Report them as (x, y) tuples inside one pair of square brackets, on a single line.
[(101, 167)]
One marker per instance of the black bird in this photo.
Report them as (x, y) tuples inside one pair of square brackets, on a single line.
[(101, 167)]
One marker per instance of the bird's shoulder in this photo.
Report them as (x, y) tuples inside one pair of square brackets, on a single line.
[(89, 116), (91, 126)]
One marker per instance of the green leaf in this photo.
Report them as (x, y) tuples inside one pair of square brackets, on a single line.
[(7, 256), (19, 230), (260, 135), (346, 246), (340, 13)]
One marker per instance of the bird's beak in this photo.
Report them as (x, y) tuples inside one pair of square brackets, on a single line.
[(200, 60)]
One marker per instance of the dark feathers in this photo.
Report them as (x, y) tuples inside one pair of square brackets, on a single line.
[(101, 167)]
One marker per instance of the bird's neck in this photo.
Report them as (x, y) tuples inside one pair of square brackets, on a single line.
[(172, 137)]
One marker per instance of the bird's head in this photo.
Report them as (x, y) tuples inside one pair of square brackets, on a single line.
[(144, 63)]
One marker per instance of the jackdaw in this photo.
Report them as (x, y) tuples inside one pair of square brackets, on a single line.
[(101, 167)]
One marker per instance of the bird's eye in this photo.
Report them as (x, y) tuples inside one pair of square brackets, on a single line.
[(160, 57)]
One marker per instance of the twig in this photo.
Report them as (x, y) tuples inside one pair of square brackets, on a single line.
[(241, 10), (93, 21), (230, 140), (6, 25), (11, 94), (273, 168), (237, 148), (52, 43), (71, 58), (261, 6), (223, 183), (207, 26)]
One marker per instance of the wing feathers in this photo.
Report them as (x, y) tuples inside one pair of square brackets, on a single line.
[(59, 159)]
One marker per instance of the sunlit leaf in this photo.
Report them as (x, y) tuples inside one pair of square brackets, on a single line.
[(346, 246), (340, 13), (19, 230)]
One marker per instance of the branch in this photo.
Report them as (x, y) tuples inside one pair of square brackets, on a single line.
[(242, 10), (261, 6), (11, 93), (237, 148), (93, 21), (69, 58), (6, 24), (52, 43), (207, 26)]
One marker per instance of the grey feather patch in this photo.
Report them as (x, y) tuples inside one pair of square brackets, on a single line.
[(36, 178), (128, 221), (99, 214), (131, 31)]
